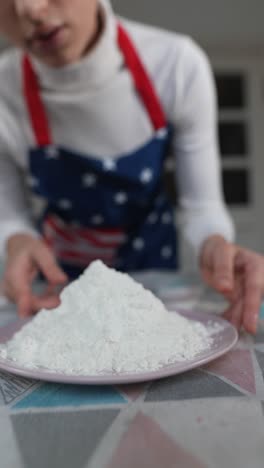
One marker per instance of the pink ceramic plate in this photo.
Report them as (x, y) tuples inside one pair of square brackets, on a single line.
[(223, 340)]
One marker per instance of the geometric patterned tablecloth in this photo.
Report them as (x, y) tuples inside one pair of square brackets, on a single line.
[(211, 417)]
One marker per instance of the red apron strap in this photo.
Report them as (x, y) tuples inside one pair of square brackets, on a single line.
[(35, 106), (141, 79), (142, 83)]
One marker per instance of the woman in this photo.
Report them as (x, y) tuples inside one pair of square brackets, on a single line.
[(91, 106)]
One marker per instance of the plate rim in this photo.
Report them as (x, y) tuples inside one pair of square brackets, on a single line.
[(129, 378)]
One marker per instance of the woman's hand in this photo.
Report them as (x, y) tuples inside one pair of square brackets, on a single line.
[(238, 274), (26, 257)]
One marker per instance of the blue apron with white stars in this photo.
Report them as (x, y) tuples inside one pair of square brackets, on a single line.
[(116, 209)]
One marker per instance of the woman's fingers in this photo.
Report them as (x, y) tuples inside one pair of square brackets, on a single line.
[(238, 274), (217, 264), (223, 267), (234, 313), (47, 302), (47, 264), (253, 291), (24, 307), (17, 285), (23, 269), (29, 303)]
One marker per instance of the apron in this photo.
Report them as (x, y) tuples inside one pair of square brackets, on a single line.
[(116, 209)]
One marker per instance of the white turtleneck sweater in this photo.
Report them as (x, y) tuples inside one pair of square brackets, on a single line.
[(93, 108)]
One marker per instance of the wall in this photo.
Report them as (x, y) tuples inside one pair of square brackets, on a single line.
[(211, 22), (225, 22)]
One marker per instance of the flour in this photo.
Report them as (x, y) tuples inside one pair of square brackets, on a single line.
[(106, 323)]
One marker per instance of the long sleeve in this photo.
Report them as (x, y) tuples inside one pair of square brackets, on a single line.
[(198, 175), (14, 210)]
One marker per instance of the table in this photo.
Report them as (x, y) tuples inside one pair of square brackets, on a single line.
[(211, 417)]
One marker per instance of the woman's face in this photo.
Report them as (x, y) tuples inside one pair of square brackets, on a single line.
[(58, 32)]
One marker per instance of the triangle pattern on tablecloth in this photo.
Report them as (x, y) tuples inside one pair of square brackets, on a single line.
[(145, 444), (237, 367)]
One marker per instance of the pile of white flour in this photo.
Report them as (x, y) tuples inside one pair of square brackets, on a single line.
[(106, 323)]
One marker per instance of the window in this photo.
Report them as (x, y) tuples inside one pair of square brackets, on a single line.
[(234, 135), (231, 91)]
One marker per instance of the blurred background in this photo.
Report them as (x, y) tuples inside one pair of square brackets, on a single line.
[(232, 34)]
